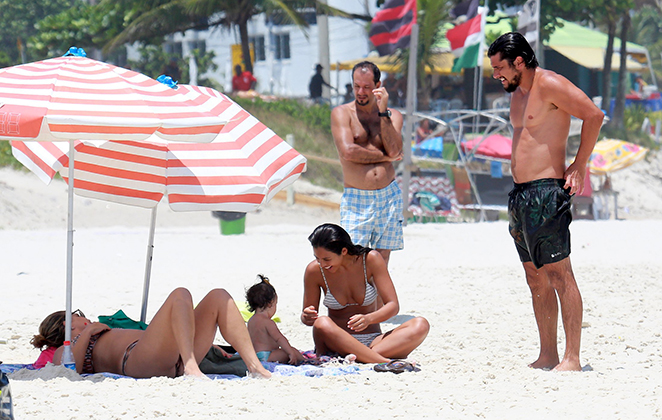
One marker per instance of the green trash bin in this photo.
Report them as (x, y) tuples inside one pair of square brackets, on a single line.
[(232, 222)]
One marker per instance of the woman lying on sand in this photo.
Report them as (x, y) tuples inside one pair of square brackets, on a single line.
[(173, 344), (352, 277)]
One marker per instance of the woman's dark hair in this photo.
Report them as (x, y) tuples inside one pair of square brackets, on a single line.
[(51, 331), (260, 295), (376, 74), (512, 45), (333, 238)]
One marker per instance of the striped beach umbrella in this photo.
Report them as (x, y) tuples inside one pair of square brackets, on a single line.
[(76, 98), (241, 169)]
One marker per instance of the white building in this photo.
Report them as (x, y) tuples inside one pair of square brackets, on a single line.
[(285, 56)]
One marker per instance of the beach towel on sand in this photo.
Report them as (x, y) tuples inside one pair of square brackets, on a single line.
[(278, 369)]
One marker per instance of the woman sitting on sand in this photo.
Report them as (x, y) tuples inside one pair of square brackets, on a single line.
[(173, 344), (351, 278)]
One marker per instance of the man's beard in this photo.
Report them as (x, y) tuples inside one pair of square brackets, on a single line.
[(512, 86), (364, 103)]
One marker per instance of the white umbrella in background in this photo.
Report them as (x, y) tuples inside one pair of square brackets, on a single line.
[(241, 169)]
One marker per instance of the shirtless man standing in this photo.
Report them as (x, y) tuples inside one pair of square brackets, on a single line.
[(368, 137), (539, 205)]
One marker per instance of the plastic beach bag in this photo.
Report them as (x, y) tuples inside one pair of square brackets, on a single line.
[(6, 406)]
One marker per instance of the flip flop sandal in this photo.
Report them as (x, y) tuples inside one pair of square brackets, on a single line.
[(395, 366)]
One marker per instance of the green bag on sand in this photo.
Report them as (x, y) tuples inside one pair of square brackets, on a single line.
[(120, 320), (216, 362)]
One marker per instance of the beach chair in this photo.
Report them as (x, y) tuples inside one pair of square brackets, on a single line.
[(431, 199)]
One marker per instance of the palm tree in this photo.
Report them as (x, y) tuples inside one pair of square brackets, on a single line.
[(630, 6), (606, 13), (647, 30)]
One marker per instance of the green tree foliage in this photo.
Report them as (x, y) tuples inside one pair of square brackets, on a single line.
[(18, 24), (647, 30), (90, 26), (153, 60)]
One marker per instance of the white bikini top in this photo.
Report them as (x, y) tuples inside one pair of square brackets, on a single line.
[(369, 298)]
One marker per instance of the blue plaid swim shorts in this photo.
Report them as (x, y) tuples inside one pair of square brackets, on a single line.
[(373, 218)]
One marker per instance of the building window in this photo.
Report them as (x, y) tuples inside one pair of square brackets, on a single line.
[(282, 46), (279, 18), (200, 45), (258, 47), (174, 48)]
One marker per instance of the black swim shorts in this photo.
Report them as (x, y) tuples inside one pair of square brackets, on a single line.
[(539, 213)]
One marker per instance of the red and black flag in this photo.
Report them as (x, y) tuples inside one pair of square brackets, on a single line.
[(391, 26)]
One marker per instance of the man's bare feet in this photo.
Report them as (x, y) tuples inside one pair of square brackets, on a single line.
[(546, 364), (568, 366)]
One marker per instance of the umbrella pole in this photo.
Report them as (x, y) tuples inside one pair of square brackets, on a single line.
[(70, 242), (148, 265)]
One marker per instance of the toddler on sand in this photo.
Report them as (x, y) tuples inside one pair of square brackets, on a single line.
[(270, 344)]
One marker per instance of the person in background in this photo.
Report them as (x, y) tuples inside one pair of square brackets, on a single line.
[(639, 86), (541, 105), (315, 85), (423, 130), (349, 93), (242, 80)]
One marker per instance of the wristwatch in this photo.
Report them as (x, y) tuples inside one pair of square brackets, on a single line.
[(386, 114)]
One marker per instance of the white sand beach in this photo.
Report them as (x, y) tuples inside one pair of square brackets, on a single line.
[(465, 278)]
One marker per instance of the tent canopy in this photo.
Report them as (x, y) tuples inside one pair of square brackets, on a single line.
[(583, 45)]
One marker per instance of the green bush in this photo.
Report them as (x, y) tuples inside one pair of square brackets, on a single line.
[(6, 158), (318, 116)]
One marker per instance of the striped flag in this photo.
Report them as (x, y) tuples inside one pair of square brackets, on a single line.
[(391, 26), (466, 39)]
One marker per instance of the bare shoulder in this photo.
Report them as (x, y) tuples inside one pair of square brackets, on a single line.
[(552, 82), (375, 260), (312, 272), (342, 111), (260, 321), (561, 92)]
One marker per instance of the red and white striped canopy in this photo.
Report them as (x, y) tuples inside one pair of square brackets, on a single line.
[(79, 98), (242, 168)]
